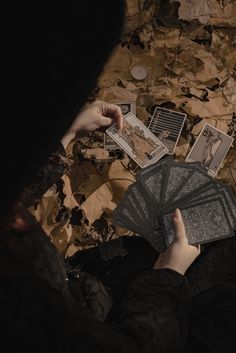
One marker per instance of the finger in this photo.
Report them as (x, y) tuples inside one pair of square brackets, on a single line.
[(104, 121), (113, 111), (179, 225), (196, 248)]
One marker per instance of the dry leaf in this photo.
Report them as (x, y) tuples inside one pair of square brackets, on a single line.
[(120, 179), (217, 107), (116, 93), (84, 179), (229, 92), (219, 124), (142, 114), (62, 236), (169, 38), (200, 10), (182, 148), (96, 203), (208, 12), (69, 200), (137, 15), (97, 153)]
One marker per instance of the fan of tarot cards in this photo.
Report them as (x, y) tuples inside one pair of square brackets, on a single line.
[(208, 207)]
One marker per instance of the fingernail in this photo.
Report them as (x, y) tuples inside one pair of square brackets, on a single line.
[(176, 214)]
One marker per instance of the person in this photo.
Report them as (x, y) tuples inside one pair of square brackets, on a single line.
[(118, 297)]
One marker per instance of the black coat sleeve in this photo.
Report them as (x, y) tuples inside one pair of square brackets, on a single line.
[(155, 311), (39, 314), (152, 317)]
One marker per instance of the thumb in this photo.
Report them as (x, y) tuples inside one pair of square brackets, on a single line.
[(179, 225), (105, 121)]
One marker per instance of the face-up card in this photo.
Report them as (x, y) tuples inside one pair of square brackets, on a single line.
[(109, 144), (137, 141), (210, 148), (203, 222), (126, 107), (167, 126)]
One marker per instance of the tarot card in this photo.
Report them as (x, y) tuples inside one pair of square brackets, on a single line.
[(231, 197), (138, 208), (140, 203), (156, 239), (126, 107), (151, 167), (198, 178), (135, 209), (167, 125), (137, 141), (122, 217), (231, 202), (150, 187), (208, 190), (175, 175), (204, 222), (210, 148), (151, 184), (110, 144), (206, 198)]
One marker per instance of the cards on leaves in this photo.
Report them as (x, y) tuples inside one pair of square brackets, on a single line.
[(126, 107), (210, 148), (138, 141), (167, 125), (208, 207)]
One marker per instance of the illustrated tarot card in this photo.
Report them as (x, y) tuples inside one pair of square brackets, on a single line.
[(137, 141), (167, 126), (210, 148), (126, 107)]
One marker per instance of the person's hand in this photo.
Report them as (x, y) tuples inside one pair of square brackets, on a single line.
[(179, 255), (98, 115)]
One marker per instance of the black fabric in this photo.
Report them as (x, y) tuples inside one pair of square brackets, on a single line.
[(45, 306), (118, 267), (40, 311), (52, 56), (211, 280)]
